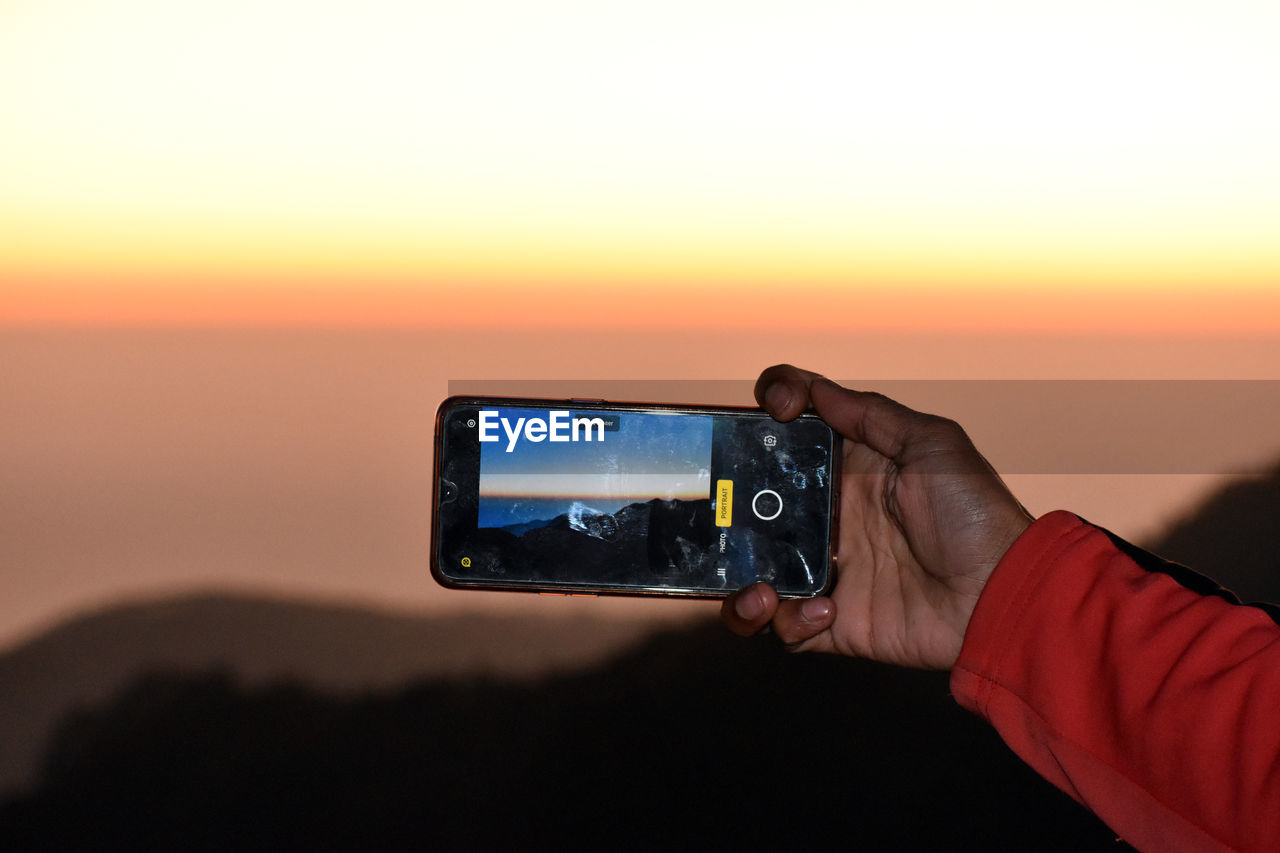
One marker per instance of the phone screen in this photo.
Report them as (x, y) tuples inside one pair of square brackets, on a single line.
[(632, 499)]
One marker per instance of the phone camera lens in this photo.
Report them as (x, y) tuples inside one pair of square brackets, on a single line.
[(809, 457)]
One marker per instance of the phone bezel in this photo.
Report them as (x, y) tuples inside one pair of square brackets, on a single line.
[(438, 464)]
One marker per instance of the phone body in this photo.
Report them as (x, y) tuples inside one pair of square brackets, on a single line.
[(578, 496)]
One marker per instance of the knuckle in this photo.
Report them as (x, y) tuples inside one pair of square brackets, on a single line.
[(875, 398), (943, 430)]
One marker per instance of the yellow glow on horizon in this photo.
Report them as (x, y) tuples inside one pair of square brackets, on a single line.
[(195, 154)]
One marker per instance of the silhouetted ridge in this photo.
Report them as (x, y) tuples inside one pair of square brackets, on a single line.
[(1233, 537), (86, 660), (693, 739), (696, 739)]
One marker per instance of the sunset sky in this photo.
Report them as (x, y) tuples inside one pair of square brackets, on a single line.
[(917, 164), (247, 246)]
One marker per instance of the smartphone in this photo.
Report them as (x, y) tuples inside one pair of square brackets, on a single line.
[(575, 496)]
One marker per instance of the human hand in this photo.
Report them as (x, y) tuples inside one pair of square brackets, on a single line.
[(924, 519)]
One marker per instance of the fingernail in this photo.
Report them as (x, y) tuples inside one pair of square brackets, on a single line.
[(749, 606), (777, 397), (815, 609)]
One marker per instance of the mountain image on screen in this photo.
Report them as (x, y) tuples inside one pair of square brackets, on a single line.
[(664, 539), (579, 516)]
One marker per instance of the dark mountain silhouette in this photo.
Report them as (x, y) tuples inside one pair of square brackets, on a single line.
[(87, 660), (641, 539), (525, 526), (1233, 537), (694, 738)]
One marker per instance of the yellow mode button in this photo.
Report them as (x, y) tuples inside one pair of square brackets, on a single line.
[(724, 503)]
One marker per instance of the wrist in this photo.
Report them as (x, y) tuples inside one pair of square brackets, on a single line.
[(1004, 535)]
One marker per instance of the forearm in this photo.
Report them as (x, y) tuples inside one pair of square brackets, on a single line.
[(1152, 704)]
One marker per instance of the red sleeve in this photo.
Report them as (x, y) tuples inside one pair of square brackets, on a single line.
[(1155, 706)]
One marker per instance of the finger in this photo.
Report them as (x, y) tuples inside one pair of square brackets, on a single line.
[(749, 610), (884, 425), (783, 391), (798, 621)]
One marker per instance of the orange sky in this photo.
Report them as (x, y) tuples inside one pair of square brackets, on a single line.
[(296, 462), (918, 189), (916, 166), (634, 306)]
